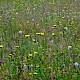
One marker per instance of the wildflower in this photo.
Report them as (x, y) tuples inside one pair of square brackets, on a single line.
[(54, 54), (53, 77), (54, 25), (35, 73), (1, 46), (30, 55), (37, 66), (10, 54), (27, 35), (25, 66), (76, 64), (34, 40), (35, 52), (40, 33), (17, 46), (16, 13), (69, 47), (30, 73), (20, 32), (78, 54), (53, 34), (61, 32), (49, 67), (0, 61), (66, 28)]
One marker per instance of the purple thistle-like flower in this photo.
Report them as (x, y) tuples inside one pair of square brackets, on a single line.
[(54, 76), (0, 61)]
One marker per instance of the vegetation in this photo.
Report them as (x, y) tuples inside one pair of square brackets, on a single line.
[(39, 40)]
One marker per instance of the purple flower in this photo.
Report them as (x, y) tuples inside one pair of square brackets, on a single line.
[(78, 55), (20, 52), (54, 76), (70, 64), (0, 61)]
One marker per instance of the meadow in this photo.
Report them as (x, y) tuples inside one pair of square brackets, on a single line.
[(39, 39)]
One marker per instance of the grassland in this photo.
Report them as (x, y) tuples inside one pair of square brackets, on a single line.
[(39, 39)]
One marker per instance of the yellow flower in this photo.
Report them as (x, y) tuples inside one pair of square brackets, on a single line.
[(37, 66), (1, 46), (30, 73), (54, 25), (10, 54), (30, 55), (40, 33), (35, 52), (49, 67), (33, 39), (17, 46), (53, 34), (27, 35), (54, 54), (35, 73), (61, 32)]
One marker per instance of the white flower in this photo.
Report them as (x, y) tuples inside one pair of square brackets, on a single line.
[(76, 64), (69, 47), (25, 66), (20, 32), (16, 12)]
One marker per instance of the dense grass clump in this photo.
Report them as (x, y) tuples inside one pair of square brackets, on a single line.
[(39, 39)]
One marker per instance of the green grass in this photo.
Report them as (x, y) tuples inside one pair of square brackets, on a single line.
[(41, 51)]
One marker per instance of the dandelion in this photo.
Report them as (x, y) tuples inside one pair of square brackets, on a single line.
[(27, 35), (30, 55), (20, 32), (69, 47), (35, 73), (40, 33), (35, 52), (76, 64)]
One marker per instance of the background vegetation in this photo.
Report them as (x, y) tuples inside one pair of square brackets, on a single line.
[(35, 39)]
